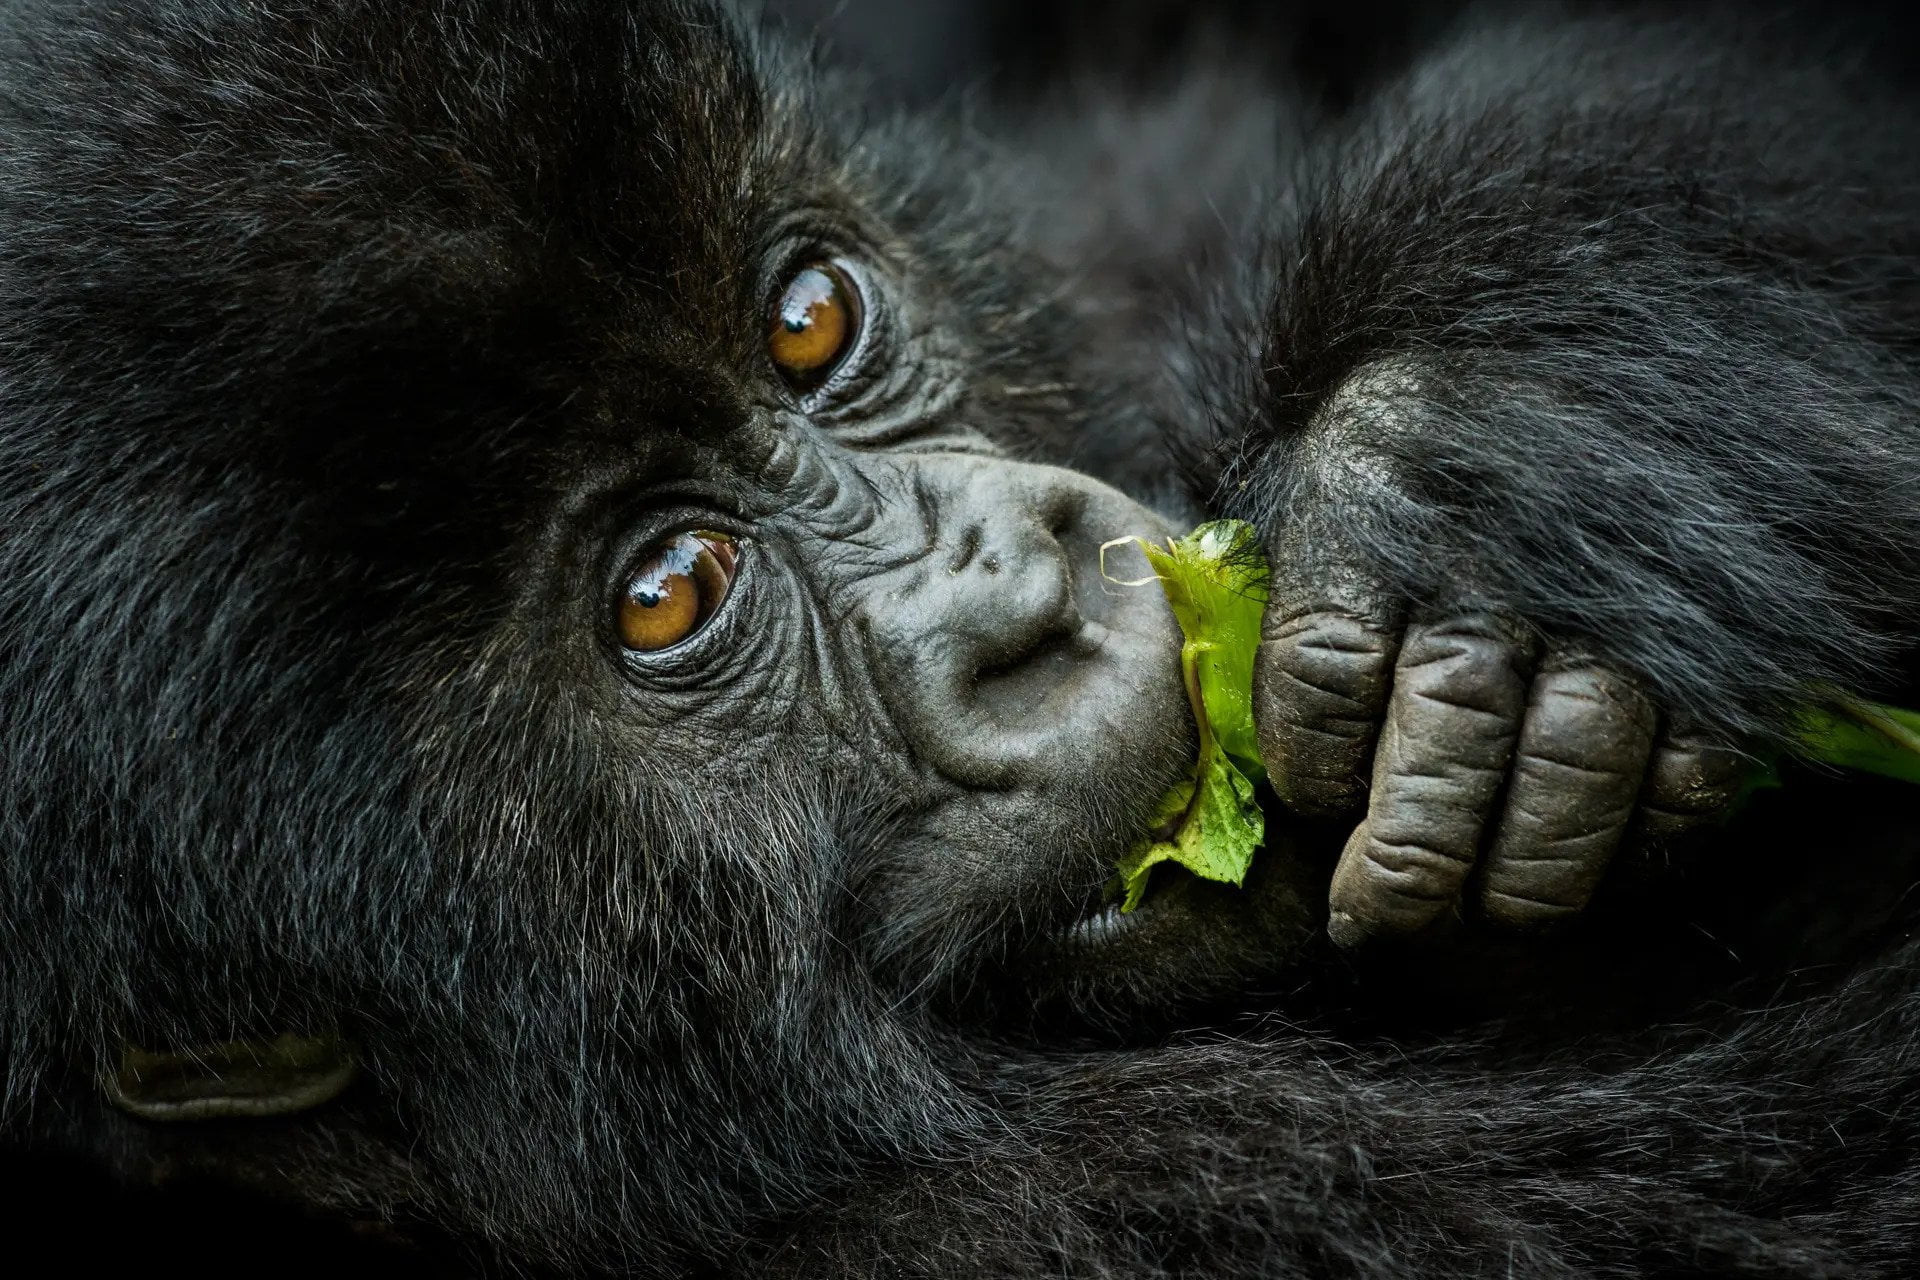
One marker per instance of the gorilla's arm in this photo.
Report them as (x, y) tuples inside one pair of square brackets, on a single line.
[(1589, 351), (1724, 1154)]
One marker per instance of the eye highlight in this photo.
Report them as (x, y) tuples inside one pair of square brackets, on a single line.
[(815, 324), (679, 585)]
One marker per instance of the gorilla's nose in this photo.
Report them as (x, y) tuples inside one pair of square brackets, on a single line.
[(996, 648), (1004, 594)]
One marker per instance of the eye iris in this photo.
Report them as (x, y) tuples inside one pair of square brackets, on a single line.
[(680, 585), (813, 326)]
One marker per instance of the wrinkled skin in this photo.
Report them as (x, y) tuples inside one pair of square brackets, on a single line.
[(359, 360), (1474, 746)]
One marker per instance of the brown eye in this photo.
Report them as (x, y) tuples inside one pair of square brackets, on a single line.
[(679, 585), (814, 325)]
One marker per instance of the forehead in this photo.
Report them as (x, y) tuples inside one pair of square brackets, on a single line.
[(632, 143), (362, 236), (365, 164)]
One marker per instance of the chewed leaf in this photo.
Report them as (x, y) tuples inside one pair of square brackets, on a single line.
[(1221, 830), (1215, 579)]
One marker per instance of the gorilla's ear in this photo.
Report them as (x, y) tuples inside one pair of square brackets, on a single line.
[(239, 1078)]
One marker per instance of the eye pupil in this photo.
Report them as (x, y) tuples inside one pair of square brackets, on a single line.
[(679, 584)]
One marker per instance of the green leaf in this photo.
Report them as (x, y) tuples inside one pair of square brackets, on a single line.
[(1855, 734), (1216, 580)]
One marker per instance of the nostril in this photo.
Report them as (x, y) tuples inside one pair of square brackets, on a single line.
[(964, 553), (1037, 668), (1018, 605), (1061, 511)]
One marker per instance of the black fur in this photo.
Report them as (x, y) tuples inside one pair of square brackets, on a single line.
[(1661, 317), (311, 316)]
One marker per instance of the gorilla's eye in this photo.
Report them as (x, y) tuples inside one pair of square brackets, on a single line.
[(680, 584), (814, 325)]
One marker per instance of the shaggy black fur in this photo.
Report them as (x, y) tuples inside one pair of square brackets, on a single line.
[(314, 317)]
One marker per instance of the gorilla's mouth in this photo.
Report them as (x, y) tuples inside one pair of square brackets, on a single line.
[(1189, 940)]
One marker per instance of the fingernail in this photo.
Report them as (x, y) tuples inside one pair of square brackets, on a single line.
[(1346, 930)]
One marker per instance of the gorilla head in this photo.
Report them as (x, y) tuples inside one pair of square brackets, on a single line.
[(519, 559)]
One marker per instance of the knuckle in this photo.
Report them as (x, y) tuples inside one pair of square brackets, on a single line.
[(1385, 889), (1321, 684), (1416, 868), (1441, 780), (1473, 700), (1325, 626), (1471, 745), (1545, 878), (1326, 663), (1436, 824), (1547, 816), (1466, 664), (1309, 692), (1551, 761), (1692, 781), (1392, 889), (1592, 695)]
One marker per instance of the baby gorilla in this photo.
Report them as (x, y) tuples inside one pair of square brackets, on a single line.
[(558, 660)]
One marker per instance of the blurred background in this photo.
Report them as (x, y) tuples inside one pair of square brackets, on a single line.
[(920, 49), (917, 51)]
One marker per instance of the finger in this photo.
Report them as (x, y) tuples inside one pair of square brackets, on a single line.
[(1459, 692), (1320, 689), (1691, 781), (1577, 772)]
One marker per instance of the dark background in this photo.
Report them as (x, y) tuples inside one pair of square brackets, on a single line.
[(56, 1208)]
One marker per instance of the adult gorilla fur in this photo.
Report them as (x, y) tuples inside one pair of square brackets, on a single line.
[(313, 318)]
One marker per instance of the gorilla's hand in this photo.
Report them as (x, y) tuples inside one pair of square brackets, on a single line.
[(1506, 771)]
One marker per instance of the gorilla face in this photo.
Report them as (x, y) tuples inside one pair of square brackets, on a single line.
[(927, 623), (572, 618)]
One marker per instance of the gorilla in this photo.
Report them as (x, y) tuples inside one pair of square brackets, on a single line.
[(611, 735)]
